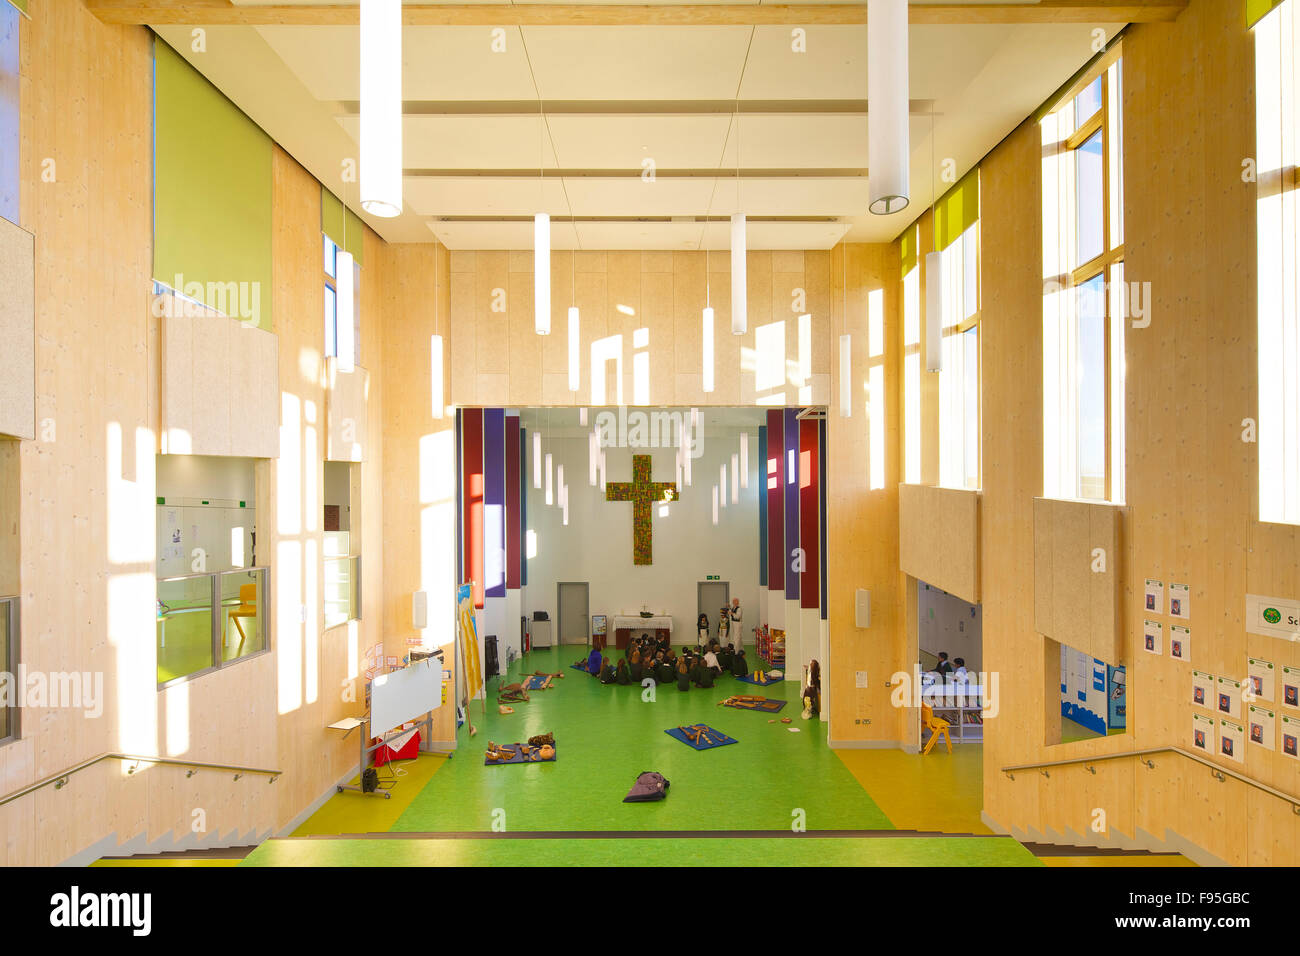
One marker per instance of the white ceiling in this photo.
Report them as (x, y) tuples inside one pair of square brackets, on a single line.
[(614, 97)]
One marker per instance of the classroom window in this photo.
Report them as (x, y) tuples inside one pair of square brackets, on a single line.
[(1084, 297), (9, 665), (1277, 91), (211, 594), (1093, 700), (959, 382), (342, 597)]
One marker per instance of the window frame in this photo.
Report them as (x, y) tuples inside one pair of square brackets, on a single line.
[(1105, 121), (353, 553), (11, 612), (954, 350)]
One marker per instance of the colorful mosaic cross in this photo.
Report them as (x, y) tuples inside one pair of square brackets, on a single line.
[(644, 494)]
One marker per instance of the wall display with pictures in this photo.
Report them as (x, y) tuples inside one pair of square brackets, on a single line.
[(1273, 617), (1260, 678), (1203, 689), (1231, 740), (1203, 733), (1260, 722), (1155, 597), (1291, 687), (1180, 642), (1228, 697), (1290, 733), (1153, 637), (599, 624), (1180, 601)]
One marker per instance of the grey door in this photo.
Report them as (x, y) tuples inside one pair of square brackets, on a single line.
[(572, 610), (712, 595)]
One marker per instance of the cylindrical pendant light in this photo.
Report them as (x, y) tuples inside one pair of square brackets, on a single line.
[(735, 479), (846, 376), (686, 462), (537, 459), (549, 495), (722, 483), (344, 322), (739, 304), (542, 273), (888, 106), (564, 502), (715, 504), (593, 458), (559, 484), (744, 459), (582, 417), (381, 107), (707, 350), (573, 348), (934, 312), (604, 471)]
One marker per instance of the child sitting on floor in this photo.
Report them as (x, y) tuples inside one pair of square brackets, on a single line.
[(606, 672), (683, 676), (711, 661), (740, 666), (621, 676), (663, 672), (634, 666), (591, 664)]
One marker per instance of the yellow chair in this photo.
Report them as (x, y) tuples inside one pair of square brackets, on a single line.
[(247, 608), (936, 726)]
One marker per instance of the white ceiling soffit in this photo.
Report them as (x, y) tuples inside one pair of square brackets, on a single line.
[(617, 96), (653, 234)]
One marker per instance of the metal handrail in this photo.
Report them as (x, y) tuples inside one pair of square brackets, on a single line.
[(60, 780), (1219, 771)]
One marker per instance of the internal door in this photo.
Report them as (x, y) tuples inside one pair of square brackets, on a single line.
[(571, 602)]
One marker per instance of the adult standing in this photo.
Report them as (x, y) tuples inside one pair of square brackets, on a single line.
[(737, 632)]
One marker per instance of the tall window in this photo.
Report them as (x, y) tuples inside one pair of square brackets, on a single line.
[(959, 380), (1277, 93), (331, 261), (912, 375), (1084, 296), (9, 664), (9, 95)]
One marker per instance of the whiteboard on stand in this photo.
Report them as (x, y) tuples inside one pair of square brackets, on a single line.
[(405, 695)]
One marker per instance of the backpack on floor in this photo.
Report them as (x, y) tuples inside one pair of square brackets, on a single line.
[(649, 786)]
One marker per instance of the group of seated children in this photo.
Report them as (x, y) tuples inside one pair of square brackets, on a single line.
[(645, 658)]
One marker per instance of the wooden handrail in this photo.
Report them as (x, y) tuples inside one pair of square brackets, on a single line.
[(60, 780), (1219, 771)]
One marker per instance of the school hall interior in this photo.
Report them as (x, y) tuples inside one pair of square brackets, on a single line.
[(875, 421)]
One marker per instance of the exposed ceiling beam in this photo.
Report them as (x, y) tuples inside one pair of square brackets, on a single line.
[(224, 12)]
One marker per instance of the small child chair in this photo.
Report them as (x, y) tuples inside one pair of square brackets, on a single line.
[(936, 726)]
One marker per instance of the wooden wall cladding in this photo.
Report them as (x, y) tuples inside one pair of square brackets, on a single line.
[(1076, 576), (939, 538), (220, 384), (17, 331), (345, 401)]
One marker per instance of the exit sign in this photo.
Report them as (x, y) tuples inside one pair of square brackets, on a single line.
[(714, 577)]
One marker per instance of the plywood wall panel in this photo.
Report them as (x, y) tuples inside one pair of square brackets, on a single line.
[(939, 538), (17, 331)]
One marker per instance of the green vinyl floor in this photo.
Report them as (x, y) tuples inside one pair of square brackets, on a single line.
[(606, 734), (657, 851)]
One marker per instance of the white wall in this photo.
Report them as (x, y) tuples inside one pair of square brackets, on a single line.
[(205, 476), (596, 546), (946, 623)]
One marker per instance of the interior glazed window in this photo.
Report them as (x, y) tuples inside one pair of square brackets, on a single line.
[(959, 383), (1084, 297), (1276, 89)]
